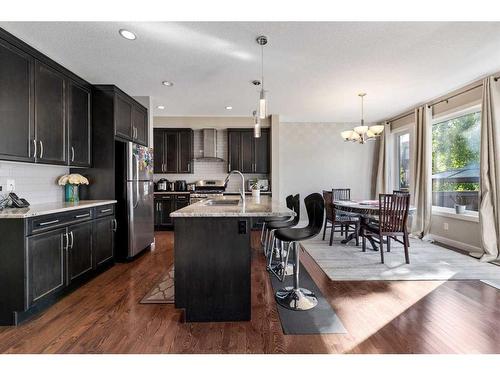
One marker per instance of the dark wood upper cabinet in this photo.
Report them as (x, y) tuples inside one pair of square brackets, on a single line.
[(140, 125), (248, 154), (44, 108), (50, 124), (185, 151), (46, 260), (16, 103), (79, 128), (262, 152), (173, 150), (234, 150), (158, 151), (123, 117)]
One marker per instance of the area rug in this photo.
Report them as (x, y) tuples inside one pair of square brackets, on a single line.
[(493, 283), (427, 262), (163, 291), (321, 319)]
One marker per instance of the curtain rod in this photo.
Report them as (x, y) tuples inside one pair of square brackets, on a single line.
[(455, 95), (406, 114)]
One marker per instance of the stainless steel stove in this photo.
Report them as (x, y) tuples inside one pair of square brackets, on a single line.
[(204, 189)]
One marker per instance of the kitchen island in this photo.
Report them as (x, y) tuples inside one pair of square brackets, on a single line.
[(212, 256)]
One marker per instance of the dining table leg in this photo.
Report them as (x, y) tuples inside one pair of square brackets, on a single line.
[(352, 236)]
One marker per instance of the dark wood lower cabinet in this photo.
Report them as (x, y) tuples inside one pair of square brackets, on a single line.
[(79, 250), (46, 257), (165, 204), (46, 264), (104, 237)]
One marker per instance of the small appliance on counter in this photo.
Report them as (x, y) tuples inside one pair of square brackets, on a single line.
[(262, 183), (180, 185), (163, 185)]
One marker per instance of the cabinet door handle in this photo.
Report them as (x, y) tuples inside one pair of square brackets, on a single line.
[(72, 153), (82, 215), (66, 241), (41, 149), (49, 222), (72, 239), (106, 210), (34, 147), (229, 167), (115, 225), (189, 167)]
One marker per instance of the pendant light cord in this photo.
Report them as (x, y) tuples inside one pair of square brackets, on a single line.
[(262, 64)]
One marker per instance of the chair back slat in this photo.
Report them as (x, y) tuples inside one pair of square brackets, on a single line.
[(393, 212), (343, 194), (328, 198)]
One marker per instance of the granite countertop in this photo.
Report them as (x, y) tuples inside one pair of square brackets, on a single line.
[(254, 207), (246, 193), (49, 208)]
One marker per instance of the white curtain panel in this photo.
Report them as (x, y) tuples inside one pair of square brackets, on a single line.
[(383, 175), (489, 207), (421, 188)]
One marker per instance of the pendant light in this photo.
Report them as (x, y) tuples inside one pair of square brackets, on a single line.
[(362, 133), (262, 41), (256, 127)]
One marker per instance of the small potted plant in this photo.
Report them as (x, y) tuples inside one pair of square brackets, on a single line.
[(255, 190), (71, 182), (460, 204)]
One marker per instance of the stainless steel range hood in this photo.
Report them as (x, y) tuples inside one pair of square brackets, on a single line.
[(210, 146)]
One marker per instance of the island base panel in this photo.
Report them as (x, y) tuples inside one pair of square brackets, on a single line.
[(212, 268)]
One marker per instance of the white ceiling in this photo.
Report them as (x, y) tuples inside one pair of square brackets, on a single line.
[(313, 71)]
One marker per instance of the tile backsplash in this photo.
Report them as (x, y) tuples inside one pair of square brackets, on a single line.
[(209, 170), (35, 182)]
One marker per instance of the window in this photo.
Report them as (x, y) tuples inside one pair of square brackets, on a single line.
[(403, 164), (455, 160)]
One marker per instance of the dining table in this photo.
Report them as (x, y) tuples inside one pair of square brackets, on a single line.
[(366, 210)]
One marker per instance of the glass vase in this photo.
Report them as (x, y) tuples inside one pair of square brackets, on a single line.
[(71, 193)]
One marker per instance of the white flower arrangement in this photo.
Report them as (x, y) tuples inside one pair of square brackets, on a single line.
[(73, 179)]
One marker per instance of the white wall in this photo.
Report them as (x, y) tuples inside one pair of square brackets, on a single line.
[(313, 157), (35, 182)]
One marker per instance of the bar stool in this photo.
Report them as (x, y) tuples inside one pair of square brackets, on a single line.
[(297, 298), (293, 203), (265, 233)]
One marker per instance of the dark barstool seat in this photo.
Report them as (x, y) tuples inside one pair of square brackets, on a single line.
[(264, 234), (293, 203), (297, 298)]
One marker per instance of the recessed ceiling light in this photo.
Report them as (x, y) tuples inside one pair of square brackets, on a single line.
[(229, 107), (161, 107), (167, 83), (127, 34)]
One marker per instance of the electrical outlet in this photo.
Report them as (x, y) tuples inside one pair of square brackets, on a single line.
[(445, 226), (11, 185)]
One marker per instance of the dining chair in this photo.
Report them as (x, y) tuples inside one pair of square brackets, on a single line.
[(339, 221), (392, 223)]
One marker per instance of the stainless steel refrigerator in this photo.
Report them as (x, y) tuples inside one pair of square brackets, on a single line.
[(136, 198)]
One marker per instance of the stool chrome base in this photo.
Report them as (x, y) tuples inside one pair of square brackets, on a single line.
[(296, 299)]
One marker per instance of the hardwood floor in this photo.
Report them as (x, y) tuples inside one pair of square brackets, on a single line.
[(104, 316)]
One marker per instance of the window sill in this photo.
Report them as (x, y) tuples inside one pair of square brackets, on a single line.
[(450, 212)]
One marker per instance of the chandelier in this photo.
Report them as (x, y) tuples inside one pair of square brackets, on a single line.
[(362, 133)]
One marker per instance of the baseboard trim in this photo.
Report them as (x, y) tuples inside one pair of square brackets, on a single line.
[(459, 245)]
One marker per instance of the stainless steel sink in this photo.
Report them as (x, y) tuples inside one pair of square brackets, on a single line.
[(223, 202)]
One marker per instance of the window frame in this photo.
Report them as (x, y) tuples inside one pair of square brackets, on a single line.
[(396, 133), (449, 115)]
